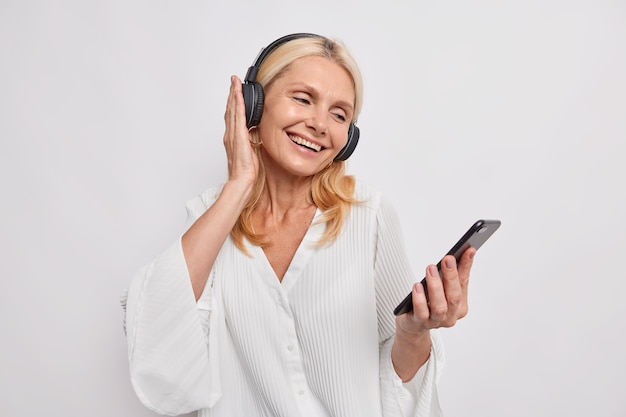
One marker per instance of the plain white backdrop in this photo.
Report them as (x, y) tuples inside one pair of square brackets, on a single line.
[(111, 118)]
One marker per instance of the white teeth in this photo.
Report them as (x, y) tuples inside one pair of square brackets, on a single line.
[(304, 142)]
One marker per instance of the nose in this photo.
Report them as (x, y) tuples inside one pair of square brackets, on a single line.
[(317, 121)]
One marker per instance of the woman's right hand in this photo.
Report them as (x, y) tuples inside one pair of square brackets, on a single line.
[(243, 163)]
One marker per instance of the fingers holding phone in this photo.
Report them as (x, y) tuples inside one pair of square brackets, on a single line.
[(455, 282), (464, 266), (463, 251), (447, 296)]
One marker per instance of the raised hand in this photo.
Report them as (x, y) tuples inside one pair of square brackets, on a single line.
[(243, 161)]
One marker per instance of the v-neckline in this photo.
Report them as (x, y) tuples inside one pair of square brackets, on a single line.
[(298, 262)]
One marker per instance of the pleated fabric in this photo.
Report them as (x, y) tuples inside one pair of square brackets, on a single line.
[(317, 344)]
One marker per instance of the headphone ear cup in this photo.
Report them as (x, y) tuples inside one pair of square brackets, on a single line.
[(253, 98), (353, 139)]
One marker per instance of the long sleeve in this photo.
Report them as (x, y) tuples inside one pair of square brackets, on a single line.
[(417, 397), (172, 356), (167, 344)]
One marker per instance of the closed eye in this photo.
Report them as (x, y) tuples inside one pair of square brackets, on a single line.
[(340, 117), (302, 100)]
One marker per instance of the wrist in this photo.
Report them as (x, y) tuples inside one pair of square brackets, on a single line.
[(409, 353), (413, 337), (239, 186)]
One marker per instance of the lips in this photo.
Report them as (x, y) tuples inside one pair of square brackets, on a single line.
[(303, 142)]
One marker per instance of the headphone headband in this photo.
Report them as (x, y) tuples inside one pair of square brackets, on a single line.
[(254, 69)]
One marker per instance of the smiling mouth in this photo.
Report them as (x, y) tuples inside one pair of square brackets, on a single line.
[(303, 142)]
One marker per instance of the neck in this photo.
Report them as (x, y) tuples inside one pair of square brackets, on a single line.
[(282, 194), (282, 204), (284, 191)]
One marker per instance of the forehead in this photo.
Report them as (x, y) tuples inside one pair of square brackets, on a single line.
[(321, 74)]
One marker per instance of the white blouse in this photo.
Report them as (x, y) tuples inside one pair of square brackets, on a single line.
[(317, 344)]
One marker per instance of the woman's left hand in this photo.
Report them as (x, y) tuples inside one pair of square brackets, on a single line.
[(447, 297)]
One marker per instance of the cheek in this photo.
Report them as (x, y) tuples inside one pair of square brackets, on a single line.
[(267, 124), (340, 136), (274, 118)]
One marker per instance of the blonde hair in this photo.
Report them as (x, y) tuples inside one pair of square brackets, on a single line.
[(332, 191)]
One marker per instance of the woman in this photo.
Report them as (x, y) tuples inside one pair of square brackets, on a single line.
[(278, 299)]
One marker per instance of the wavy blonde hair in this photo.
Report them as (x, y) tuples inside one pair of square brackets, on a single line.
[(332, 191)]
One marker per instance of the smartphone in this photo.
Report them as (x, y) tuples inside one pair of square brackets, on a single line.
[(474, 237)]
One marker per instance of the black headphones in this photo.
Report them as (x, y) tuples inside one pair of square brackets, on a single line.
[(254, 97)]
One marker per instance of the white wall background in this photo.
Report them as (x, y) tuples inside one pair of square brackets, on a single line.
[(111, 118)]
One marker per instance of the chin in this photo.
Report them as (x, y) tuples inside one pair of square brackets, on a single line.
[(305, 169), (302, 171), (297, 165)]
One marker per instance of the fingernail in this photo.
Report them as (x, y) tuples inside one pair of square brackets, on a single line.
[(432, 271), (450, 263), (471, 255)]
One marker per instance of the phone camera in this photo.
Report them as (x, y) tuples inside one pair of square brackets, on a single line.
[(482, 229)]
